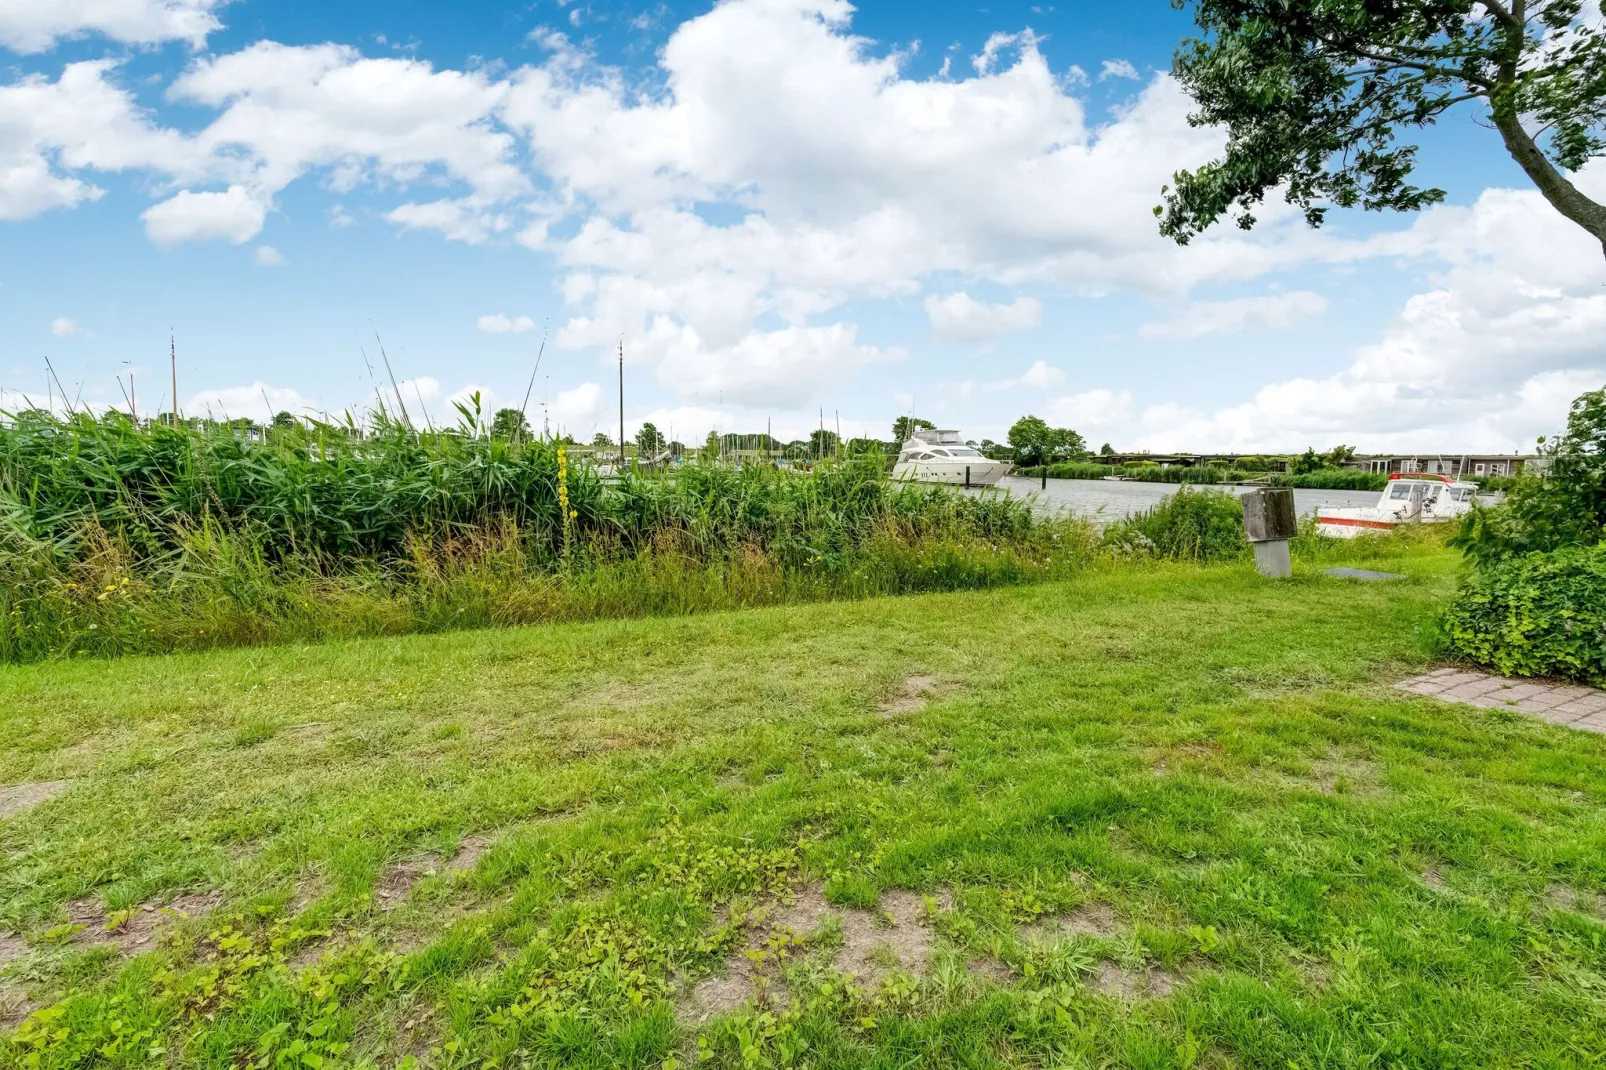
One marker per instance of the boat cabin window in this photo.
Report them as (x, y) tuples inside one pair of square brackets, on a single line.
[(1399, 492), (959, 451)]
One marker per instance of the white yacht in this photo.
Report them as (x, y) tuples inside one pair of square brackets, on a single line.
[(1406, 500), (943, 457)]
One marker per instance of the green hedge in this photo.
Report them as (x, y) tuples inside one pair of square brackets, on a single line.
[(1191, 525), (1535, 614), (1333, 479)]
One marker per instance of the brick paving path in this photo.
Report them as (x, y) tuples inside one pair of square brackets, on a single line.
[(1566, 704)]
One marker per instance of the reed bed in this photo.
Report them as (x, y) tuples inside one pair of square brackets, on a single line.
[(122, 538)]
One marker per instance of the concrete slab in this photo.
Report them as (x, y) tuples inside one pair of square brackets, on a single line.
[(1365, 575), (1570, 705)]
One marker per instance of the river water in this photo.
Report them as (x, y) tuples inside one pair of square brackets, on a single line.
[(1107, 500)]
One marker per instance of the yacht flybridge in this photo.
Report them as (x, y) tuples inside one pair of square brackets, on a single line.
[(1406, 500), (943, 457)]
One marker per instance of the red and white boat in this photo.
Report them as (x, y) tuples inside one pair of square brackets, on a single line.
[(1408, 499)]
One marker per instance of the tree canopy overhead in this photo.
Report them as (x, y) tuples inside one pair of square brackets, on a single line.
[(1314, 95)]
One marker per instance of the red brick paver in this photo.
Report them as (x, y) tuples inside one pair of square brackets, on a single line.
[(1583, 708)]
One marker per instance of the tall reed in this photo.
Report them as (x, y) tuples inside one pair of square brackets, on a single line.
[(118, 538)]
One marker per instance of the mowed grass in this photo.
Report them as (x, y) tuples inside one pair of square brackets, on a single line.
[(1330, 873)]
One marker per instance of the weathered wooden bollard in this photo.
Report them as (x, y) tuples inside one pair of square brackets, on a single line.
[(1270, 521)]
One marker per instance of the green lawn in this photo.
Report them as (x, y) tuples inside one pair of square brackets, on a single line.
[(1156, 817)]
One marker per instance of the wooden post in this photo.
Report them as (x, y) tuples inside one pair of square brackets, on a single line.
[(967, 477), (172, 362), (1269, 522), (621, 406)]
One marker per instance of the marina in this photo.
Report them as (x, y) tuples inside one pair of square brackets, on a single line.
[(1107, 500)]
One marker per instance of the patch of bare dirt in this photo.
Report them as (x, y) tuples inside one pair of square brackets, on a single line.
[(910, 698), (22, 797), (991, 968), (138, 929), (398, 881), (1314, 973), (1089, 919), (12, 946), (714, 996), (469, 853), (1434, 879), (14, 1007), (1345, 776), (1113, 979), (894, 936), (309, 888), (1566, 897)]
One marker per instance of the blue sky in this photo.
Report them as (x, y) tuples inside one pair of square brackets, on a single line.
[(780, 206)]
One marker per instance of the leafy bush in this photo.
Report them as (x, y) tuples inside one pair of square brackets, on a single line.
[(1081, 470), (1535, 614), (1179, 474), (1566, 506), (1191, 525), (1333, 479)]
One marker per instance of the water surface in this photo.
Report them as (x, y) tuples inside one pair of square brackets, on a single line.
[(1106, 500)]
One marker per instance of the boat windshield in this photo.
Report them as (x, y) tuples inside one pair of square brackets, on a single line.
[(960, 451)]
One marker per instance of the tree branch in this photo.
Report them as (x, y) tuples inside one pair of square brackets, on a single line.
[(1562, 194), (1494, 8), (1426, 68)]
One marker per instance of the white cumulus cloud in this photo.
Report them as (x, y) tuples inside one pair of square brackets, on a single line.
[(51, 132), (288, 109), (1040, 376), (63, 327), (36, 25), (269, 257), (959, 317), (502, 324), (258, 402), (1486, 360), (1280, 312), (234, 215), (1118, 68)]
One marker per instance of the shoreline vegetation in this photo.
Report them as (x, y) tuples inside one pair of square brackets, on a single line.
[(1213, 475), (123, 539), (118, 538)]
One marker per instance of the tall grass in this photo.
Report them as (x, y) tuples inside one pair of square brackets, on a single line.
[(1190, 525), (116, 538), (1333, 479), (1215, 475)]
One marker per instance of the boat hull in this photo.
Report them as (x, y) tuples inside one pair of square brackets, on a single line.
[(1349, 524), (1349, 527), (983, 473)]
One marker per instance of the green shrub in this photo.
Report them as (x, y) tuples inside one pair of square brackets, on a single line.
[(1191, 525), (1333, 479), (1566, 506), (1193, 476), (1534, 614), (1081, 470)]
